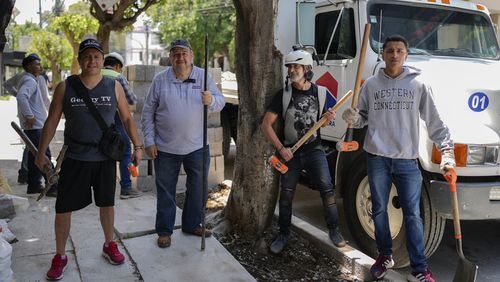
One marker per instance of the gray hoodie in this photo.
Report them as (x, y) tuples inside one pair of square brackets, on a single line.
[(391, 108), (32, 101)]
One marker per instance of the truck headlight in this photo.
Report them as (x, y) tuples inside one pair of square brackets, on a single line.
[(475, 155), (471, 155)]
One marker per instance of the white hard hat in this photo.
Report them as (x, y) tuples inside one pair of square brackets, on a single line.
[(116, 56), (299, 57)]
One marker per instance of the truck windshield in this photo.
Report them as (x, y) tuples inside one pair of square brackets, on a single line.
[(435, 31)]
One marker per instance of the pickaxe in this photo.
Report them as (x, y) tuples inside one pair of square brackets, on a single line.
[(50, 172), (278, 164), (348, 144)]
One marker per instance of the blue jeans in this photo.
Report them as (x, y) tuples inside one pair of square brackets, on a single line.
[(315, 163), (407, 178), (23, 170), (167, 167), (34, 174), (125, 181)]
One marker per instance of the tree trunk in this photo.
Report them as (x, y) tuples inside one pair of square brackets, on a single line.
[(75, 67), (254, 190), (103, 36), (56, 76)]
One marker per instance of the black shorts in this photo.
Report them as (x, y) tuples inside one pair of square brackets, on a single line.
[(76, 179)]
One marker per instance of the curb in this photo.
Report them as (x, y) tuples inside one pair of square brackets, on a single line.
[(354, 262)]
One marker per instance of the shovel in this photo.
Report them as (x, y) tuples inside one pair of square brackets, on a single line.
[(466, 271)]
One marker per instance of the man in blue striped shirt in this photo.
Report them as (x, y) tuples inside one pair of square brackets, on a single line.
[(172, 124)]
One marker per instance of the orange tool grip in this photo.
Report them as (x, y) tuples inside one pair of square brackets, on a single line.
[(133, 170)]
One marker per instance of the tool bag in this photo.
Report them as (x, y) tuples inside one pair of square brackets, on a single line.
[(111, 144)]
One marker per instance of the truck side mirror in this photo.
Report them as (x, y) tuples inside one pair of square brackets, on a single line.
[(305, 19)]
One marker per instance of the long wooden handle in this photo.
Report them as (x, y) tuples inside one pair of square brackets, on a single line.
[(361, 64), (321, 122)]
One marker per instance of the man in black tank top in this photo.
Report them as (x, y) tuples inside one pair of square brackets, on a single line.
[(302, 112), (85, 167)]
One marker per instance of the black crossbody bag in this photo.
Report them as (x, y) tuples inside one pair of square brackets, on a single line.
[(111, 144)]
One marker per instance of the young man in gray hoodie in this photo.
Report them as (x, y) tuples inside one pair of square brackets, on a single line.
[(391, 103)]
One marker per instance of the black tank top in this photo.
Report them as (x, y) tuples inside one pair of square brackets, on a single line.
[(81, 128)]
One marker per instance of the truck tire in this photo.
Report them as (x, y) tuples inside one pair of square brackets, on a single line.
[(357, 205)]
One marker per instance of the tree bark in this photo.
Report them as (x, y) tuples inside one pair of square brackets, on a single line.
[(56, 76), (103, 36), (254, 190)]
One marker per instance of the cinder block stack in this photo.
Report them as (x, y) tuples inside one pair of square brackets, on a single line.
[(140, 77)]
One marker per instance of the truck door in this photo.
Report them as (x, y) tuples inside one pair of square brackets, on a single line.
[(336, 45)]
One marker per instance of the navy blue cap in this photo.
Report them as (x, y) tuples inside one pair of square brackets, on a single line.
[(182, 43), (30, 58), (90, 43)]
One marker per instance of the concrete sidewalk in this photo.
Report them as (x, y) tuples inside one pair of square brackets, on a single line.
[(134, 229)]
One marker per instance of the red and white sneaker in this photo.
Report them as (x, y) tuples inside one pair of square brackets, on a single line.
[(56, 271), (421, 276), (112, 254)]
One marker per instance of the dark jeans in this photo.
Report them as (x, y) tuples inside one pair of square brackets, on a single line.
[(34, 174), (23, 170), (405, 174), (167, 167), (125, 181), (315, 163)]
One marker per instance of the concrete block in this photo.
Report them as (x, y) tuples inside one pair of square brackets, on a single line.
[(137, 216), (136, 73), (140, 88), (150, 72), (215, 134), (213, 119), (216, 74), (145, 183), (183, 261), (215, 148)]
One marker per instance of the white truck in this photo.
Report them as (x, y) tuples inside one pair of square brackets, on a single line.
[(455, 45)]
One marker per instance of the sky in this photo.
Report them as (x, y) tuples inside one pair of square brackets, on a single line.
[(29, 9)]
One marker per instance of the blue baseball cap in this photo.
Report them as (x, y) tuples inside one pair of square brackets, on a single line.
[(90, 43), (180, 43), (30, 58)]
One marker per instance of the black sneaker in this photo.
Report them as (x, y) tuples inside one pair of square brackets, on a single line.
[(130, 194), (279, 243), (337, 238)]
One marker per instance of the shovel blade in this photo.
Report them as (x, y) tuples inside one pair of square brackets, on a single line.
[(466, 271)]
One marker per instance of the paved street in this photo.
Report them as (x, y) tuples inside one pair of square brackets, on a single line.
[(480, 240)]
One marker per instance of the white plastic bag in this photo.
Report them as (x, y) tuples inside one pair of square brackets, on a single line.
[(5, 261)]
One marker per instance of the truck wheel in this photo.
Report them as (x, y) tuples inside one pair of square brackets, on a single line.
[(358, 210)]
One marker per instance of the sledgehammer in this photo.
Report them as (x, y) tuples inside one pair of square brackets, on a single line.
[(278, 164), (351, 145)]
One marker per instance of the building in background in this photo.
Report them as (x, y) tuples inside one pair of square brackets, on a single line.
[(143, 46)]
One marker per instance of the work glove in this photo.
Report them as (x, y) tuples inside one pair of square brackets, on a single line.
[(447, 160), (350, 115)]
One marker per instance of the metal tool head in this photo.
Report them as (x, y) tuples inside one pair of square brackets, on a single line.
[(466, 271), (277, 164)]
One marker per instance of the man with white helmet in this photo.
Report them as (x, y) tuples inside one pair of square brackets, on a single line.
[(113, 65), (299, 108)]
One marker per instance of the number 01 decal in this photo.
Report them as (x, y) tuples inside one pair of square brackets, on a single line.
[(478, 102)]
